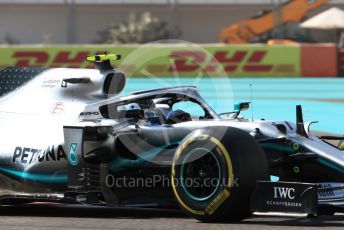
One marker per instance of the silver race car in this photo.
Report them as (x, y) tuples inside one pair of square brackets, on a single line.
[(67, 136)]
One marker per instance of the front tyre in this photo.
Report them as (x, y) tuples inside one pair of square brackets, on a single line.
[(215, 171)]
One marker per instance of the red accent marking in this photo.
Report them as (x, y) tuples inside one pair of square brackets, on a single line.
[(64, 58), (237, 57), (31, 58), (58, 108), (254, 63), (187, 61)]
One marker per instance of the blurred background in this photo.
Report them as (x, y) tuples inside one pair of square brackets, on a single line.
[(284, 52), (199, 21)]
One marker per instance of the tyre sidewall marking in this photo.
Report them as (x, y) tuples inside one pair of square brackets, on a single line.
[(220, 198)]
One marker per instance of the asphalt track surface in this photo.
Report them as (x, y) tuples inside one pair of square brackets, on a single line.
[(62, 217)]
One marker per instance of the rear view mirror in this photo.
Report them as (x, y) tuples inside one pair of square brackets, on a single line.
[(238, 107), (241, 106), (114, 83)]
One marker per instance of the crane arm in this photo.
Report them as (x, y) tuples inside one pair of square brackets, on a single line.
[(247, 29)]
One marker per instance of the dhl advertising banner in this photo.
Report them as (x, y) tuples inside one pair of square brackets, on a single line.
[(167, 60)]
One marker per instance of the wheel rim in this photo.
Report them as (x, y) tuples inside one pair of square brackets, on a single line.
[(200, 174)]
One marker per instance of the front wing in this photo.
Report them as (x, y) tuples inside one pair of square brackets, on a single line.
[(297, 198)]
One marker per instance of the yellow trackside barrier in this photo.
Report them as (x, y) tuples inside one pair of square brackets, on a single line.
[(164, 60)]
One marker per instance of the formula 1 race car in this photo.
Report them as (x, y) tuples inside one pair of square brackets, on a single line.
[(67, 136)]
